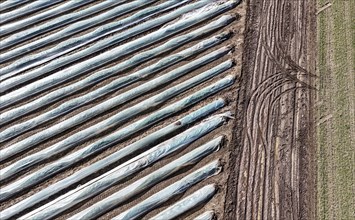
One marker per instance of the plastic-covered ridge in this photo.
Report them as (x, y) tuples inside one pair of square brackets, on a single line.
[(71, 105), (77, 42), (100, 60), (142, 144), (169, 192), (208, 215), (186, 204), (120, 99), (26, 9), (7, 5), (14, 26), (98, 46), (51, 25), (132, 166)]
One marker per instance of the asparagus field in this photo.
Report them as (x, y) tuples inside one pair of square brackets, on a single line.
[(117, 109)]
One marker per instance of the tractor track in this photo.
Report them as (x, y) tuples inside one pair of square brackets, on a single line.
[(274, 152)]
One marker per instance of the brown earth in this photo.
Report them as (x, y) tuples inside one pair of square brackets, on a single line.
[(273, 166)]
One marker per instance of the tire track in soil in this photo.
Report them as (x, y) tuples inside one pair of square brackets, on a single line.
[(273, 174)]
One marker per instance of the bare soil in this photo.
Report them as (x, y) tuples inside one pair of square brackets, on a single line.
[(272, 159)]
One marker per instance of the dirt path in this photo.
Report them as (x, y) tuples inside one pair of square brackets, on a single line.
[(335, 111), (273, 156)]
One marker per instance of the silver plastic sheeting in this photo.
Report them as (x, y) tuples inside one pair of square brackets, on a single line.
[(100, 145), (104, 58), (67, 31), (75, 103), (119, 117), (100, 45), (87, 133), (110, 103), (6, 5), (27, 9), (82, 40), (48, 26), (186, 204), (142, 144), (208, 215), (13, 26), (132, 166), (172, 190), (101, 75), (174, 90)]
